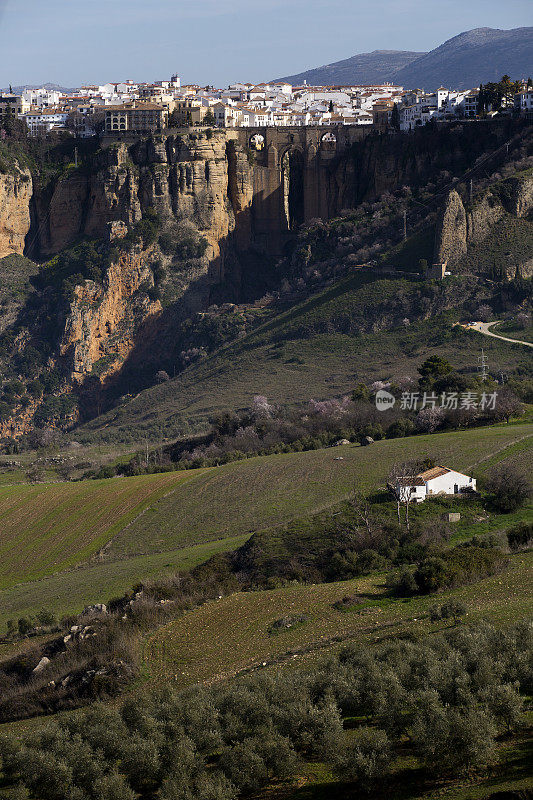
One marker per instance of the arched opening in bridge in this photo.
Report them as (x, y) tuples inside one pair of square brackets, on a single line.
[(292, 185), (257, 141), (328, 142)]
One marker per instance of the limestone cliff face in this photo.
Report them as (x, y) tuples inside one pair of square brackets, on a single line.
[(451, 234), (182, 177), (16, 190), (102, 322), (459, 227)]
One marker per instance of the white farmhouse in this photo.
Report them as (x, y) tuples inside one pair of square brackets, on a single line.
[(434, 481)]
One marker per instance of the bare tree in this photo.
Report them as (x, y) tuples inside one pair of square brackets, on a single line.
[(362, 512), (399, 482)]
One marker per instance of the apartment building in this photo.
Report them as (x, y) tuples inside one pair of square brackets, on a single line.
[(12, 104), (135, 116), (45, 120)]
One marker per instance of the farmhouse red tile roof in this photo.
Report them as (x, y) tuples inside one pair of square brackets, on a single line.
[(435, 472)]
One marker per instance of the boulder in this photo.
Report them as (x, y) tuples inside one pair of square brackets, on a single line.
[(98, 608), (41, 665)]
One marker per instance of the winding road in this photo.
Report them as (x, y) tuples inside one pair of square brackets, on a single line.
[(483, 327)]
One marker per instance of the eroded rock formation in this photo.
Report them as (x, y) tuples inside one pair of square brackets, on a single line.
[(458, 227), (103, 320), (16, 189)]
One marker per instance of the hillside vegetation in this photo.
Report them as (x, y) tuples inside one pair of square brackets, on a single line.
[(208, 644), (156, 523), (351, 332)]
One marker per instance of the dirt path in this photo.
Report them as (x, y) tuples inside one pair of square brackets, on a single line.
[(484, 327)]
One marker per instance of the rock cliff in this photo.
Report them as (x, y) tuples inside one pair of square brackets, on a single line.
[(461, 228), (16, 189), (181, 177), (103, 320), (223, 210)]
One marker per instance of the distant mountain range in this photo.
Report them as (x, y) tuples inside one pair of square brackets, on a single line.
[(466, 60), (375, 67), (53, 87)]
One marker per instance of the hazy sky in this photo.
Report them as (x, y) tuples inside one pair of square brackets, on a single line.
[(220, 41)]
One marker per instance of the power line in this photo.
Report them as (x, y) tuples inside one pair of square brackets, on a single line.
[(483, 366)]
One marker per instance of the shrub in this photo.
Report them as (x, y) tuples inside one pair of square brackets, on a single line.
[(521, 536), (508, 487), (365, 761), (284, 623)]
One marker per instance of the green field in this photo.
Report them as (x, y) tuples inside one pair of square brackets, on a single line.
[(263, 492), (311, 350), (69, 591), (227, 636), (48, 528), (155, 523)]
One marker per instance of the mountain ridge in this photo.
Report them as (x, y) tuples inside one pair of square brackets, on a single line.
[(372, 67), (472, 57)]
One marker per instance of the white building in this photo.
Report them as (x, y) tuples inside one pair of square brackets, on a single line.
[(44, 121), (434, 481), (523, 101), (42, 98)]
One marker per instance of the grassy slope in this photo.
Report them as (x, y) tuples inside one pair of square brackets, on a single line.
[(47, 528), (202, 513), (513, 331), (286, 360), (199, 647), (68, 592), (262, 492)]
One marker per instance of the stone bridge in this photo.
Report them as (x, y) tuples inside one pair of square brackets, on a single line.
[(293, 169)]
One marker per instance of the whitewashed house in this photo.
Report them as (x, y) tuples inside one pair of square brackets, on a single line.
[(523, 101), (44, 121), (434, 481)]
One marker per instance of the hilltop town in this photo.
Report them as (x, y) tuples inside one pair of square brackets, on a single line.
[(129, 106)]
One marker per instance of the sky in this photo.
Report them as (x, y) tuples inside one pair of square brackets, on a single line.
[(74, 42)]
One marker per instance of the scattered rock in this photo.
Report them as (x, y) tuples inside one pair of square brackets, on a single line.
[(41, 665), (98, 608)]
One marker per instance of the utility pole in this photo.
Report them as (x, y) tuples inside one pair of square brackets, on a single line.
[(404, 225), (483, 366), (76, 157)]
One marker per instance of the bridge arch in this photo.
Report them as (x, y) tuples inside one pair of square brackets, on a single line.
[(257, 141)]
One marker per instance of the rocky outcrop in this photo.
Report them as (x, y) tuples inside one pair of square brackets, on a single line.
[(482, 216), (103, 320), (458, 227), (522, 196), (16, 189), (451, 235)]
